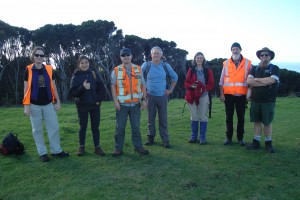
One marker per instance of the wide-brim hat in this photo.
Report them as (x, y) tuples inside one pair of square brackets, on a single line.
[(267, 50)]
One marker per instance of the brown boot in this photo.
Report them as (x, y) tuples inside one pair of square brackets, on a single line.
[(99, 151), (142, 151), (117, 153), (81, 151)]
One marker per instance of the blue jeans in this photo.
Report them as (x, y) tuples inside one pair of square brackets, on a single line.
[(134, 113), (158, 104)]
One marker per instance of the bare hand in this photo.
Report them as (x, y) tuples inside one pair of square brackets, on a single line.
[(57, 106), (27, 110), (86, 85), (222, 98), (144, 105), (194, 85), (117, 106), (168, 92)]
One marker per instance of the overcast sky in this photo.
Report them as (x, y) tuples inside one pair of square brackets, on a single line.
[(194, 25)]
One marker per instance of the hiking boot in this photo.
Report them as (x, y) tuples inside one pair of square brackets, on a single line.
[(81, 151), (269, 147), (99, 151), (150, 141), (191, 140), (254, 145), (61, 154), (44, 158), (202, 142), (117, 153), (242, 142), (142, 151), (227, 142), (166, 144)]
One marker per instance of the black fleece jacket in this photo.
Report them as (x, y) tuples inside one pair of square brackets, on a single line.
[(84, 97)]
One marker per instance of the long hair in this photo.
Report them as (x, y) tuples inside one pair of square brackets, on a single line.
[(80, 58), (194, 61)]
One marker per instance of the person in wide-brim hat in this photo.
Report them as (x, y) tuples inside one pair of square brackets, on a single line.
[(267, 50)]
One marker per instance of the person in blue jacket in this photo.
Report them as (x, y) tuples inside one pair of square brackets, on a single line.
[(88, 89)]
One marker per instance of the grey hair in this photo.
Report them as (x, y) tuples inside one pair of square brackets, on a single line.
[(156, 47)]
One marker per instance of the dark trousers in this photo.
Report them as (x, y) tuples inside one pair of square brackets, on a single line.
[(83, 114), (239, 104), (134, 113), (158, 104)]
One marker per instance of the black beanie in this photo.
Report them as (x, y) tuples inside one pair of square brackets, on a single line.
[(236, 45)]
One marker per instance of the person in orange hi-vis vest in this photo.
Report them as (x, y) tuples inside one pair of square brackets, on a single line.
[(233, 91), (41, 101), (129, 94)]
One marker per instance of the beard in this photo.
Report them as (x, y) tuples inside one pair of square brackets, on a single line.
[(236, 57), (264, 63)]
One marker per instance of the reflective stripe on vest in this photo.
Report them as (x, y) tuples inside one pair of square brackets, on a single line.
[(232, 87), (128, 89)]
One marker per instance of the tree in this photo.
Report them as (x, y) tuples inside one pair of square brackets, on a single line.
[(14, 41), (101, 41)]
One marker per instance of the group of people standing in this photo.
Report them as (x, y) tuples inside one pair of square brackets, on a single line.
[(136, 88)]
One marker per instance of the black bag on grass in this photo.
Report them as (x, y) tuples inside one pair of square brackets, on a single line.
[(12, 145)]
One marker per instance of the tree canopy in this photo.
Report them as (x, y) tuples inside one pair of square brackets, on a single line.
[(101, 41)]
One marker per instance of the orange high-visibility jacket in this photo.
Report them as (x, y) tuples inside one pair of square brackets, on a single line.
[(128, 91), (235, 79), (26, 100)]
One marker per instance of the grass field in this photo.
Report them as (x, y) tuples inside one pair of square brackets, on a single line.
[(186, 171)]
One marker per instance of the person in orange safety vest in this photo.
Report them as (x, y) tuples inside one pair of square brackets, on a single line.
[(41, 101), (129, 94), (233, 91)]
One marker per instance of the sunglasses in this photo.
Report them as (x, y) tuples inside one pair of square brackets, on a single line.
[(262, 55), (125, 54), (39, 55)]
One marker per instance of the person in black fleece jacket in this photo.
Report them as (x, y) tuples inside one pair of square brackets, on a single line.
[(88, 90)]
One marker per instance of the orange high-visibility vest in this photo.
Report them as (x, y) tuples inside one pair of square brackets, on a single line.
[(235, 79), (26, 100), (128, 91)]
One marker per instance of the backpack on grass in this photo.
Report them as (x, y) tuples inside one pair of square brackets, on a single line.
[(12, 145)]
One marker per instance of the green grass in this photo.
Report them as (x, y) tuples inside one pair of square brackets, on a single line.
[(186, 171)]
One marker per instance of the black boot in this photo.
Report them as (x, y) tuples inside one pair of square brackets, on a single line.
[(254, 145), (269, 147), (166, 144), (150, 140)]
